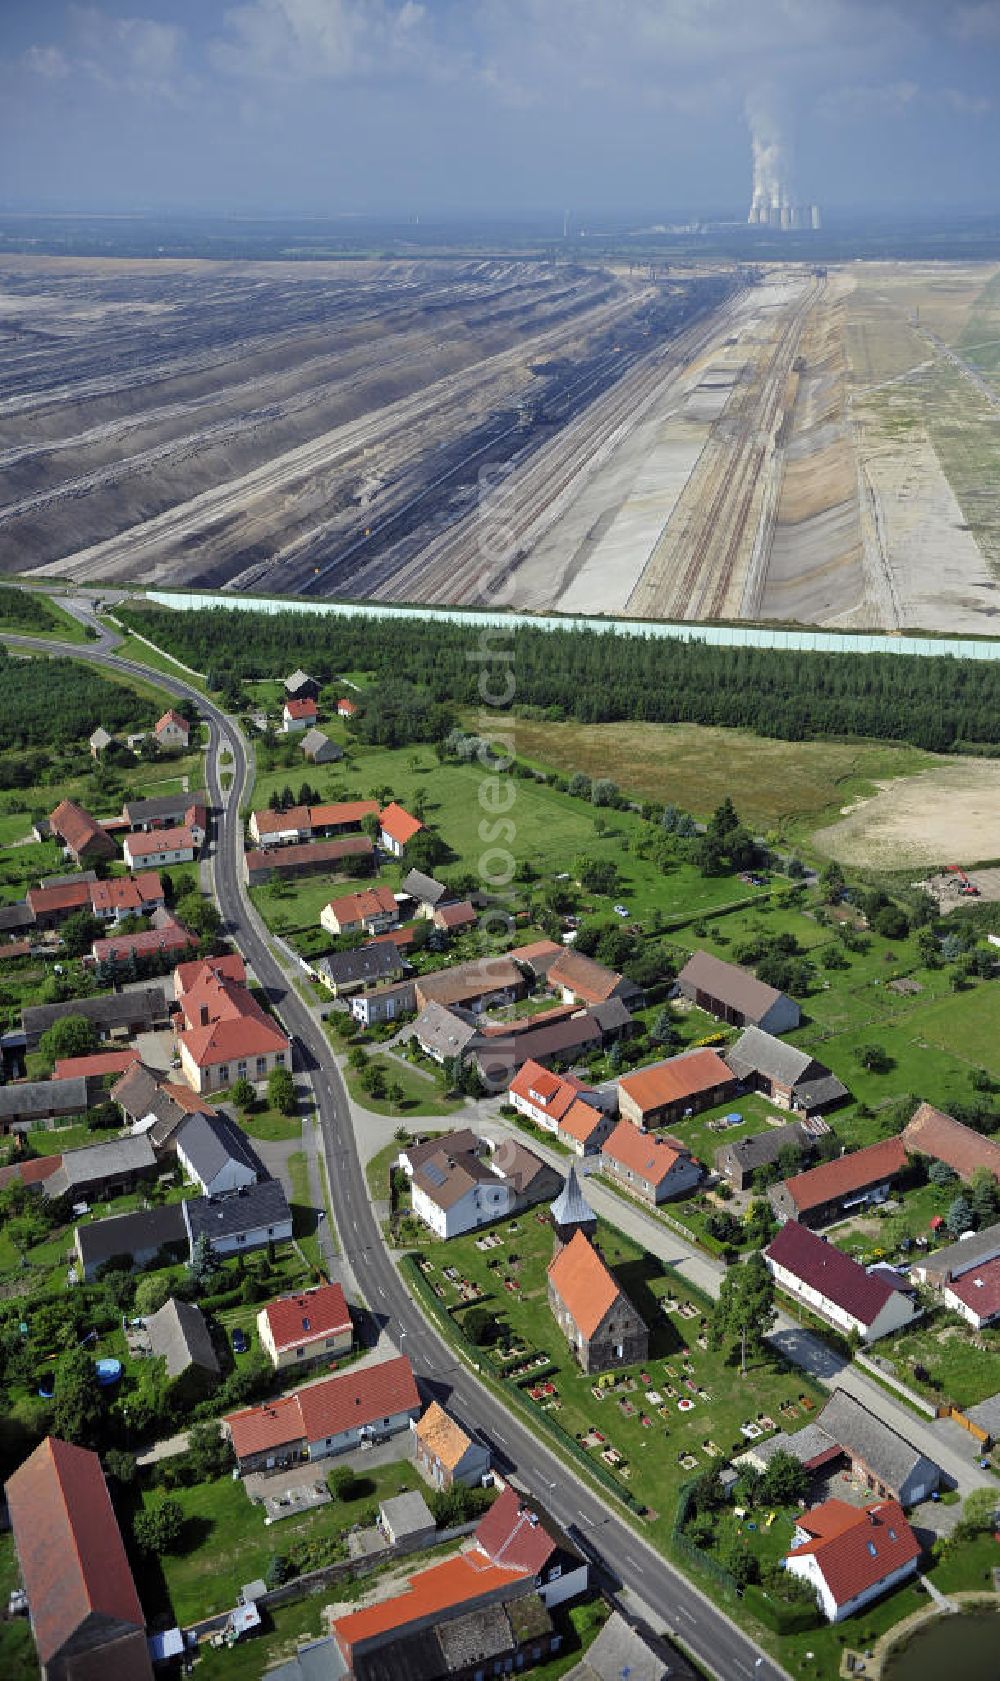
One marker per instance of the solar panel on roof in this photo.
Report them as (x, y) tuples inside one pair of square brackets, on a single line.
[(434, 1174)]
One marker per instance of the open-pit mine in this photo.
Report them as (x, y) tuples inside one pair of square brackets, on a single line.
[(787, 443)]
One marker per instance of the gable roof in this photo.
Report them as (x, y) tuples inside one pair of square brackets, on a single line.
[(429, 1594), (95, 1065), (359, 1398), (127, 893), (147, 1005), (762, 1148), (374, 962), (398, 824), (854, 1548), (76, 827), (236, 1026), (229, 966), (47, 901), (829, 1270), (342, 812), (730, 984), (296, 680), (679, 1077), (159, 808), (475, 979), (979, 1289), (44, 1097), (589, 981), (442, 1436), (168, 936), (444, 1031), (448, 1175), (538, 955), (864, 1436), (581, 1121), (933, 1133), (69, 1545), (642, 1153), (757, 1052), (178, 1332), (368, 902), (314, 741), (427, 889), (308, 1315), (511, 1534), (459, 1142), (246, 1210), (209, 1142), (145, 842), (304, 708), (271, 1425), (554, 1093), (32, 1171), (855, 1172), (586, 1287), (458, 915), (122, 1234)]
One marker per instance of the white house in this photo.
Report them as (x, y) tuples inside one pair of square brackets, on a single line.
[(457, 1191), (851, 1555), (173, 731), (217, 1154), (975, 1294), (298, 715), (249, 1218), (823, 1278)]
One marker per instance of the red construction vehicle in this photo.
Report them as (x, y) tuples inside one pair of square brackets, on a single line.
[(967, 888)]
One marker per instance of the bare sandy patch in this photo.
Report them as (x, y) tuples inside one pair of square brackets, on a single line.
[(949, 814)]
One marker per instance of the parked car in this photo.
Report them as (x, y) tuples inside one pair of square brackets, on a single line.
[(621, 910), (241, 1342)]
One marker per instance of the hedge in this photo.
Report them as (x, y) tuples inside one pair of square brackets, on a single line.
[(779, 1615)]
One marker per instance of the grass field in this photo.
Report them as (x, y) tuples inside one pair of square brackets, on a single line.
[(959, 1371), (59, 624), (228, 1543), (420, 1095), (776, 784)]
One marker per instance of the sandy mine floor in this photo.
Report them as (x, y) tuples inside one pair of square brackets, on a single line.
[(950, 814)]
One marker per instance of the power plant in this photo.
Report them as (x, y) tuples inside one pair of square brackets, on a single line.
[(773, 204)]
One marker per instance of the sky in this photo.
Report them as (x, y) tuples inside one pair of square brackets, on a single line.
[(423, 107)]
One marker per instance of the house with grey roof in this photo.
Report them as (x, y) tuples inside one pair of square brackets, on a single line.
[(407, 1518), (444, 1034), (300, 686), (739, 1161), (884, 1461), (116, 1015), (621, 1651), (319, 749), (141, 1237), (735, 995), (31, 1103), (249, 1218), (162, 811), (428, 893), (939, 1266), (812, 1446), (217, 1154), (178, 1333), (111, 1168), (149, 1106), (788, 1076), (384, 1003), (17, 918), (360, 970)]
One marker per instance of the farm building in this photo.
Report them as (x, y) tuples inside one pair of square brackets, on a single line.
[(828, 1192), (667, 1091), (789, 1077), (735, 995)]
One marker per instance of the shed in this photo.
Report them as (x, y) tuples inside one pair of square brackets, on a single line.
[(407, 1518)]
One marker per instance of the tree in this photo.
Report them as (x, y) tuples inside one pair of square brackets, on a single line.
[(278, 1571), (597, 875), (243, 1095), (744, 1311), (832, 882), (426, 851), (204, 1261), (741, 1564), (664, 1031), (121, 1466), (480, 1327), (603, 791), (892, 923), (69, 1036), (984, 1195), (939, 1173), (874, 1058), (78, 1413), (959, 1217), (79, 932), (281, 1091), (199, 916), (579, 785), (159, 1528), (785, 1481), (208, 1451)]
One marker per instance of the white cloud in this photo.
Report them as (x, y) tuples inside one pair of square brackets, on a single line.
[(333, 40), (867, 99), (49, 62)]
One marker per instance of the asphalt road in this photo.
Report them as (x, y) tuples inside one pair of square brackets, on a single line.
[(714, 1640)]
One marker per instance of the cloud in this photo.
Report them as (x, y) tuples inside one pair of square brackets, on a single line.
[(865, 100), (130, 55), (46, 61), (332, 40)]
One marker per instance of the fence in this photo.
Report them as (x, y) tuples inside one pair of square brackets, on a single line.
[(687, 1549)]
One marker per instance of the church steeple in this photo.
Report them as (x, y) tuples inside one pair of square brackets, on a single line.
[(571, 1212)]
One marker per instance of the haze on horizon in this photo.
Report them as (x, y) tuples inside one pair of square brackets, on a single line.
[(328, 107)]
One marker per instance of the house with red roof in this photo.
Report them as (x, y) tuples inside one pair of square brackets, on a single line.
[(372, 910), (832, 1284), (138, 895), (346, 708), (514, 1532), (851, 1555), (226, 1035), (975, 1294), (931, 1132), (585, 1128), (325, 1418), (310, 1325), (431, 1600), (166, 935), (597, 1319), (397, 829), (654, 1169), (543, 1096), (173, 731), (666, 1092), (580, 980), (85, 1613), (95, 1066), (80, 834), (51, 906), (834, 1189), (229, 967), (298, 715)]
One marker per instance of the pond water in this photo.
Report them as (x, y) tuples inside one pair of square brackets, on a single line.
[(973, 1640)]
